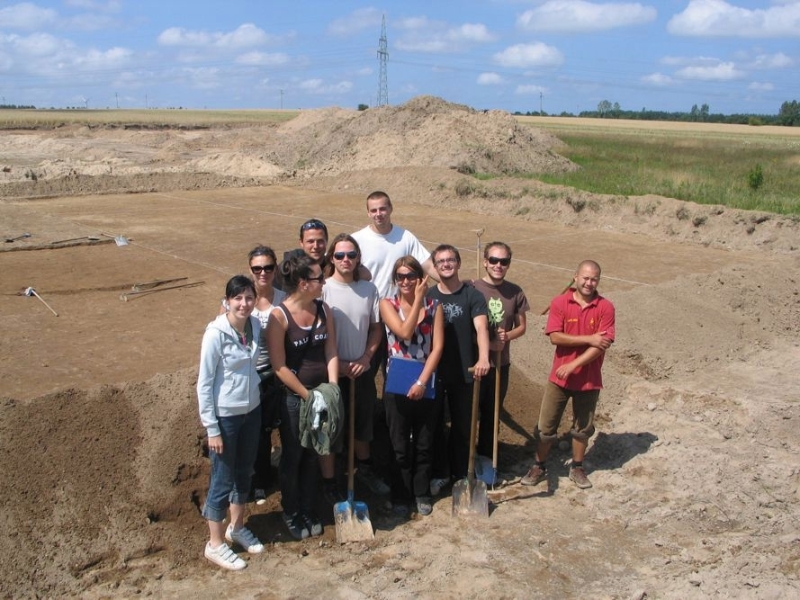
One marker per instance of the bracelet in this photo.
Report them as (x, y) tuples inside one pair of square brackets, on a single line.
[(419, 383)]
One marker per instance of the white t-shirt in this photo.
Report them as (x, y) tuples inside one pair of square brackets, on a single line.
[(355, 307), (379, 252)]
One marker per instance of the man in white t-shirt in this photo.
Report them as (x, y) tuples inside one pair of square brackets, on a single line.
[(382, 243)]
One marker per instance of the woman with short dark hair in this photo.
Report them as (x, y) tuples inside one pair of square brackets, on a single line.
[(230, 410)]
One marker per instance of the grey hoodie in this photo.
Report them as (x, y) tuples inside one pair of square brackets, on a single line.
[(227, 383)]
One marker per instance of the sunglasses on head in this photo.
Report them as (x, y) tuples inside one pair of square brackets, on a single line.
[(257, 269), (313, 224), (495, 260), (352, 255), (406, 277)]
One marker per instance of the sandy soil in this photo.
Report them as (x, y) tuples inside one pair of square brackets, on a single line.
[(696, 490)]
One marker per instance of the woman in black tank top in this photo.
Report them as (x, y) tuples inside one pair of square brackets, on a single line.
[(302, 348)]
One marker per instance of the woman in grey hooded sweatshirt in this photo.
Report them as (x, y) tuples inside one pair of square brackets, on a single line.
[(230, 410)]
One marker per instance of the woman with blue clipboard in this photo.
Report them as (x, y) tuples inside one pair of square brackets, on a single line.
[(415, 334)]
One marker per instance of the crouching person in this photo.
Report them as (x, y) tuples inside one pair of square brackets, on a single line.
[(230, 410)]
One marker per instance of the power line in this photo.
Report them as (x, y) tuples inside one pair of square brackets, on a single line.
[(383, 57)]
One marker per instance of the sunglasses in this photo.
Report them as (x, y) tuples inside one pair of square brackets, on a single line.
[(318, 278), (258, 269), (406, 277), (314, 224), (494, 260), (352, 255)]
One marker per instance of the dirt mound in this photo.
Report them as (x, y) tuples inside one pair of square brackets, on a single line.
[(423, 132), (85, 470)]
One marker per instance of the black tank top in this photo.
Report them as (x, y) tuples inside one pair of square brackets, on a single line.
[(304, 356)]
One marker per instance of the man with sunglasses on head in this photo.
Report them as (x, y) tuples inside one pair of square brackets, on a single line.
[(466, 345), (313, 242), (507, 305), (359, 333)]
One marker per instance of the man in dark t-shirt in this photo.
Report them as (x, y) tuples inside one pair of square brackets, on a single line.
[(466, 345)]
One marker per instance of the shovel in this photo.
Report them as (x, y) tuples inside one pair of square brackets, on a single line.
[(469, 495), (19, 237), (564, 291), (30, 292), (351, 517), (496, 429), (120, 240)]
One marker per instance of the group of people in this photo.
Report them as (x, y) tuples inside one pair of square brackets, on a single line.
[(301, 335)]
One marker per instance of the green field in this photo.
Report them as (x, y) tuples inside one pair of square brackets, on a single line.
[(712, 166)]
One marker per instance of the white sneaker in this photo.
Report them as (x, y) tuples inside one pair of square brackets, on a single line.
[(245, 538), (437, 485), (260, 496), (224, 557)]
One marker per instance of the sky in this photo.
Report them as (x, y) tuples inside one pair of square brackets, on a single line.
[(736, 56)]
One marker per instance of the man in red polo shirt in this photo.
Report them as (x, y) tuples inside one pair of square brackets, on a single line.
[(581, 326)]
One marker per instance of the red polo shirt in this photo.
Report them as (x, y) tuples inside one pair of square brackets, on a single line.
[(567, 316)]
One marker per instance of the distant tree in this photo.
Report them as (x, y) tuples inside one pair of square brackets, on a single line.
[(704, 112), (694, 113), (363, 107), (789, 114), (604, 107)]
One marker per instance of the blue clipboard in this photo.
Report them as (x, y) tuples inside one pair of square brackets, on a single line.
[(402, 372)]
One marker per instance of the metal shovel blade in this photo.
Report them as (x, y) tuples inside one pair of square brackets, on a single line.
[(352, 522), (19, 237), (485, 471), (470, 499)]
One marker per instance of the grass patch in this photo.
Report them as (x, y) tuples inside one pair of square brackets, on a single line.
[(746, 172)]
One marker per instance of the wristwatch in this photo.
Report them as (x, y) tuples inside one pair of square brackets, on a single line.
[(419, 383)]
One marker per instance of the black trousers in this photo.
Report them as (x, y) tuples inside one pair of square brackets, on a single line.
[(412, 428)]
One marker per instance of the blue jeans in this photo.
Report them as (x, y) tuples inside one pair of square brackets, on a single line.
[(299, 467), (232, 470)]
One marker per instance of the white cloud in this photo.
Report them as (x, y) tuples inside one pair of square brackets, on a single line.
[(318, 86), (204, 78), (358, 20), (726, 71), (263, 59), (581, 16), (716, 18), (110, 6), (91, 22), (529, 90), (26, 16), (529, 55), (244, 36), (657, 79), (470, 32), (489, 79), (178, 36), (757, 86), (693, 61), (771, 61), (423, 35)]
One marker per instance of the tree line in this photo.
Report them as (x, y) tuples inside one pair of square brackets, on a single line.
[(788, 115)]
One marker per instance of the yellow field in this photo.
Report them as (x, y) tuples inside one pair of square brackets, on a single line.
[(656, 127), (10, 119)]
